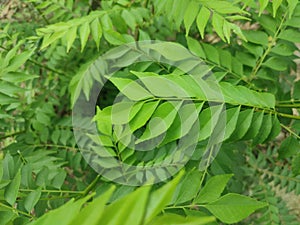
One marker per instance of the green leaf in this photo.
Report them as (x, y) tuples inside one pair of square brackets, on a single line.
[(96, 31), (92, 213), (264, 131), (188, 187), (290, 35), (31, 200), (190, 15), (175, 219), (276, 63), (296, 164), (11, 191), (160, 121), (213, 188), (283, 49), (208, 119), (232, 208), (187, 116), (296, 93), (289, 147), (257, 37), (161, 198), (84, 32), (231, 117), (256, 123), (244, 122), (5, 100)]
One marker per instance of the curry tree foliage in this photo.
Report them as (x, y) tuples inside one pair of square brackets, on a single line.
[(222, 81)]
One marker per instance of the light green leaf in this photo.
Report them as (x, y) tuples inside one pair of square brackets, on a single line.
[(120, 211), (131, 89), (202, 19), (92, 213), (213, 188), (11, 191), (84, 32), (114, 37), (143, 115), (96, 31), (190, 15), (18, 60), (171, 51), (276, 4), (292, 6), (160, 86), (262, 5), (65, 213), (195, 47), (232, 208), (160, 121), (175, 219), (186, 118), (218, 24), (70, 37), (160, 198), (121, 112), (208, 119), (16, 77)]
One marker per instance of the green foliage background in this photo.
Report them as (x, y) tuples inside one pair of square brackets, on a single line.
[(49, 56)]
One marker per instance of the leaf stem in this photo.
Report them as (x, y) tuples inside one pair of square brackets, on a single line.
[(290, 131)]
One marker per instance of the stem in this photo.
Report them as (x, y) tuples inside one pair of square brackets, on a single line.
[(16, 210), (288, 115), (290, 131), (57, 146), (38, 64), (54, 191), (270, 46), (41, 14), (288, 105), (12, 134), (91, 186)]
